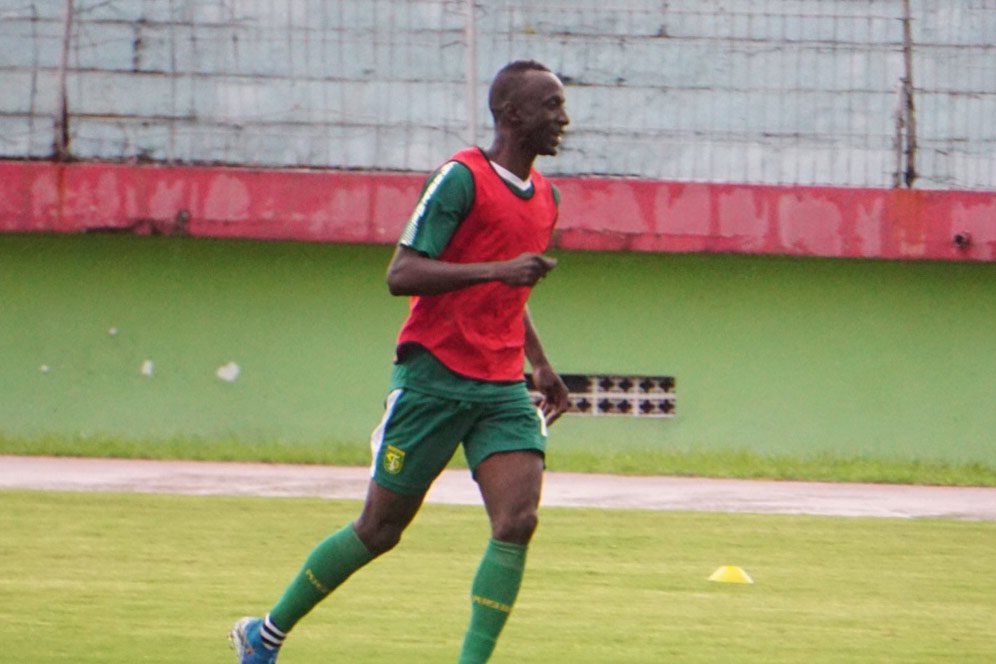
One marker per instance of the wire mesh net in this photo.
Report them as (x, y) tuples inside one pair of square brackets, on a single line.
[(875, 93)]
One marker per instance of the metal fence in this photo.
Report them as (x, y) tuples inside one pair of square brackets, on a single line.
[(867, 93)]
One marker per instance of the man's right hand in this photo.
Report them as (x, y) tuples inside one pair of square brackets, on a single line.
[(525, 269)]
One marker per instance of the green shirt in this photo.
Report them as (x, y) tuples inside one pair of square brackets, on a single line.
[(420, 371), (444, 203)]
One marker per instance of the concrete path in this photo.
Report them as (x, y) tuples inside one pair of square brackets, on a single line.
[(456, 487)]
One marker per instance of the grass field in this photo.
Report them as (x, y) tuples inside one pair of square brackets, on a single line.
[(113, 579), (817, 370)]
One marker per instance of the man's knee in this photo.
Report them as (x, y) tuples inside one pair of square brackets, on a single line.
[(384, 518), (378, 538), (516, 527)]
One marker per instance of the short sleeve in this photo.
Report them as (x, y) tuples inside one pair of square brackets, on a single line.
[(444, 203)]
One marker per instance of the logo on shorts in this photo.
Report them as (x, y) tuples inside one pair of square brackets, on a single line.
[(394, 460)]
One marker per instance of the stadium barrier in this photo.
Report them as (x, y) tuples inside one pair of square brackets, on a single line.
[(597, 213)]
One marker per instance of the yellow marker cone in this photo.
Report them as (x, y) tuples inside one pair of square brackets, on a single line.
[(731, 574)]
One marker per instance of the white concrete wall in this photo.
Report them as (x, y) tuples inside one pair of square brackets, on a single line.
[(757, 91)]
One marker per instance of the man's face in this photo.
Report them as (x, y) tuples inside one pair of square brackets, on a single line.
[(540, 105)]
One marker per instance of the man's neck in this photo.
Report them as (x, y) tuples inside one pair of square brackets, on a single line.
[(505, 154)]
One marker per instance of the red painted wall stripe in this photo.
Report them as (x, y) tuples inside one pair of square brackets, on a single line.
[(610, 214)]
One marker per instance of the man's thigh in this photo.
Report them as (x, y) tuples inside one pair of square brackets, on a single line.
[(504, 427), (416, 439)]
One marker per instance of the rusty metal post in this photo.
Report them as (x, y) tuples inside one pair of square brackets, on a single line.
[(470, 35), (60, 139), (908, 109)]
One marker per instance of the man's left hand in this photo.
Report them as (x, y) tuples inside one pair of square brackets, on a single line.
[(555, 401)]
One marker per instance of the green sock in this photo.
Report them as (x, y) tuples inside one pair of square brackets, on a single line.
[(492, 595), (328, 566)]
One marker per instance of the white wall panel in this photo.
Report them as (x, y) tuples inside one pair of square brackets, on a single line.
[(763, 91)]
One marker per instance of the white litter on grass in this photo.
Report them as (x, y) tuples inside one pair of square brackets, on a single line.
[(148, 368), (43, 368), (112, 332), (228, 372)]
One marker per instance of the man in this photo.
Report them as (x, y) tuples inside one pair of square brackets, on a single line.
[(468, 257)]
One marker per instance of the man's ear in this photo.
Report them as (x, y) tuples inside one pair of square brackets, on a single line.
[(510, 113)]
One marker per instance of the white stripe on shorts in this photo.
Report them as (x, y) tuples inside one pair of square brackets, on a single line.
[(544, 427), (377, 437)]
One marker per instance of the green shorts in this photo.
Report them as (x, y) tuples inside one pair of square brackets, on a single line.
[(420, 433)]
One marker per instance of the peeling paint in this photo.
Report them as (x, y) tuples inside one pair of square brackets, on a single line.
[(603, 214)]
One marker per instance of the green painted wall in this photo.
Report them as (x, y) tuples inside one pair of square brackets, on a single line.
[(772, 355)]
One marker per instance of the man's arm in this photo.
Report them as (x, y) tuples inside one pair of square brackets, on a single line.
[(555, 397), (412, 273)]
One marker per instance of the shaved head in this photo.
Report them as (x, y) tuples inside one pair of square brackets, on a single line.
[(508, 83)]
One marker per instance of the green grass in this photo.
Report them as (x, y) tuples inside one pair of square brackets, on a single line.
[(742, 464), (193, 449), (107, 579), (805, 368)]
